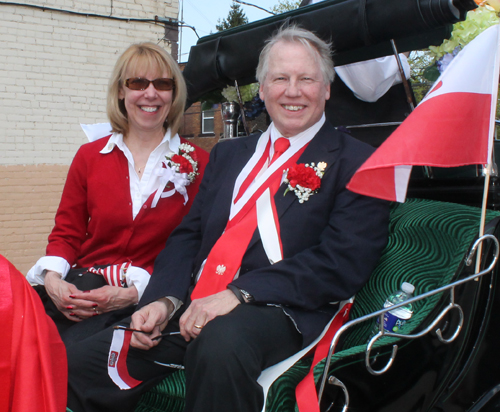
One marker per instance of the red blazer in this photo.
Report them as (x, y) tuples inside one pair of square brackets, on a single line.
[(94, 224)]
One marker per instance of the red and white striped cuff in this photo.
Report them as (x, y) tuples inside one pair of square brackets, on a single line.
[(115, 275)]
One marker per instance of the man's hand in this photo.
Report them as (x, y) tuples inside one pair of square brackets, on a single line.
[(201, 311), (152, 318)]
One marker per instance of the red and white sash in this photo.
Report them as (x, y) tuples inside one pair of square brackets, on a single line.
[(224, 260), (305, 392), (267, 218)]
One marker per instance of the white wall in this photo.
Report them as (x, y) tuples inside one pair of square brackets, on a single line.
[(54, 70)]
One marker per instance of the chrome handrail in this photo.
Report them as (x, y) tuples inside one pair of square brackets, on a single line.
[(337, 382), (380, 313)]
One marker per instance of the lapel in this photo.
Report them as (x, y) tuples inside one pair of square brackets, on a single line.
[(324, 147)]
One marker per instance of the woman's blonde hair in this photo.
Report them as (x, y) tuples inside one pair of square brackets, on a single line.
[(142, 58)]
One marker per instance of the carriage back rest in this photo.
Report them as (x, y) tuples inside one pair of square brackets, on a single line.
[(428, 241)]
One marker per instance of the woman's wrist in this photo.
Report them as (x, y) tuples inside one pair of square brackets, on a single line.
[(130, 294), (50, 277)]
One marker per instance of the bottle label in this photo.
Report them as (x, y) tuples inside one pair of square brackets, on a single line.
[(392, 323)]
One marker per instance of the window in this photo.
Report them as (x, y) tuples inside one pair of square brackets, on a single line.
[(207, 121)]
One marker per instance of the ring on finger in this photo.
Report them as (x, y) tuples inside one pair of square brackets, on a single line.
[(198, 327)]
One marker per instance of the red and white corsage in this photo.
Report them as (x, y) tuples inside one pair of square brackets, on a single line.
[(304, 179), (180, 169), (184, 162)]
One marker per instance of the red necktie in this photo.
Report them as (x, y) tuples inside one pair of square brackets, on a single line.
[(225, 257), (280, 146)]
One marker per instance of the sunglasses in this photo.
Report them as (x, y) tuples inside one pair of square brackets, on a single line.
[(138, 83)]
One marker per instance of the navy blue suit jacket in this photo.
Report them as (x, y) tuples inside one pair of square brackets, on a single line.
[(331, 243)]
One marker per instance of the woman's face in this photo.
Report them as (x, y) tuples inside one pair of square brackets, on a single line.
[(147, 109)]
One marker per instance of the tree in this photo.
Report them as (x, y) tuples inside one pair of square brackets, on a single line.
[(420, 61), (285, 5), (235, 18)]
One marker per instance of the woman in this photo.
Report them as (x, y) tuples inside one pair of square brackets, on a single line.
[(124, 195)]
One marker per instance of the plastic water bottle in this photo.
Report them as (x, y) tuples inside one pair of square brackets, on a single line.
[(395, 319)]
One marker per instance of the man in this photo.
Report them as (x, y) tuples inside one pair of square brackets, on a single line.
[(266, 259)]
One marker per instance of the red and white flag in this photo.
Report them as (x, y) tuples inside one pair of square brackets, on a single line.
[(117, 360), (452, 126)]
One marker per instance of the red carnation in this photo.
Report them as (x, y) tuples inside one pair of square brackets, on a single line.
[(184, 164), (303, 176)]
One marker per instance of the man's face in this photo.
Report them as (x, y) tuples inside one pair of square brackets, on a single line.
[(293, 90)]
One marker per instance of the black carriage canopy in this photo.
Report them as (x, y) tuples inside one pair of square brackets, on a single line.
[(360, 30)]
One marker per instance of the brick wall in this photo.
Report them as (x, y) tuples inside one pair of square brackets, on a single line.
[(54, 71), (29, 196)]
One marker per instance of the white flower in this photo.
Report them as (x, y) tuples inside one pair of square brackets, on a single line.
[(321, 166)]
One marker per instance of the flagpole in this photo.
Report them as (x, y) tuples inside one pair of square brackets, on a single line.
[(483, 215), (494, 99)]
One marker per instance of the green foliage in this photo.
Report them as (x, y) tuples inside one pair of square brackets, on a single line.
[(465, 31), (247, 92), (229, 94), (235, 18), (420, 62), (211, 98), (285, 5)]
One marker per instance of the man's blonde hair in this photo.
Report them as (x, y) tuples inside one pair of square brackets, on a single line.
[(294, 34)]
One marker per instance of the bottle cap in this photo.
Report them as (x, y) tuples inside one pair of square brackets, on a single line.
[(407, 287)]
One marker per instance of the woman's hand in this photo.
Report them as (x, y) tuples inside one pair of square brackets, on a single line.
[(61, 293), (77, 305), (106, 299)]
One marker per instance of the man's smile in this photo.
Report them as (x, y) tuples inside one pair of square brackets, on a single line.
[(292, 108)]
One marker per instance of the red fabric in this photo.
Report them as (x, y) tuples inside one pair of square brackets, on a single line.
[(280, 146), (122, 362), (253, 174), (305, 393), (94, 224), (33, 369), (221, 266), (452, 126), (113, 274)]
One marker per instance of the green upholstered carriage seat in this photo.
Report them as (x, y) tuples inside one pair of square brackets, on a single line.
[(427, 243)]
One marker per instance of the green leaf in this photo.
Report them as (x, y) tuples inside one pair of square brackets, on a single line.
[(431, 73), (206, 106)]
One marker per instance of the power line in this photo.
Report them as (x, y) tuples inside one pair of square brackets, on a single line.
[(162, 20), (257, 7)]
